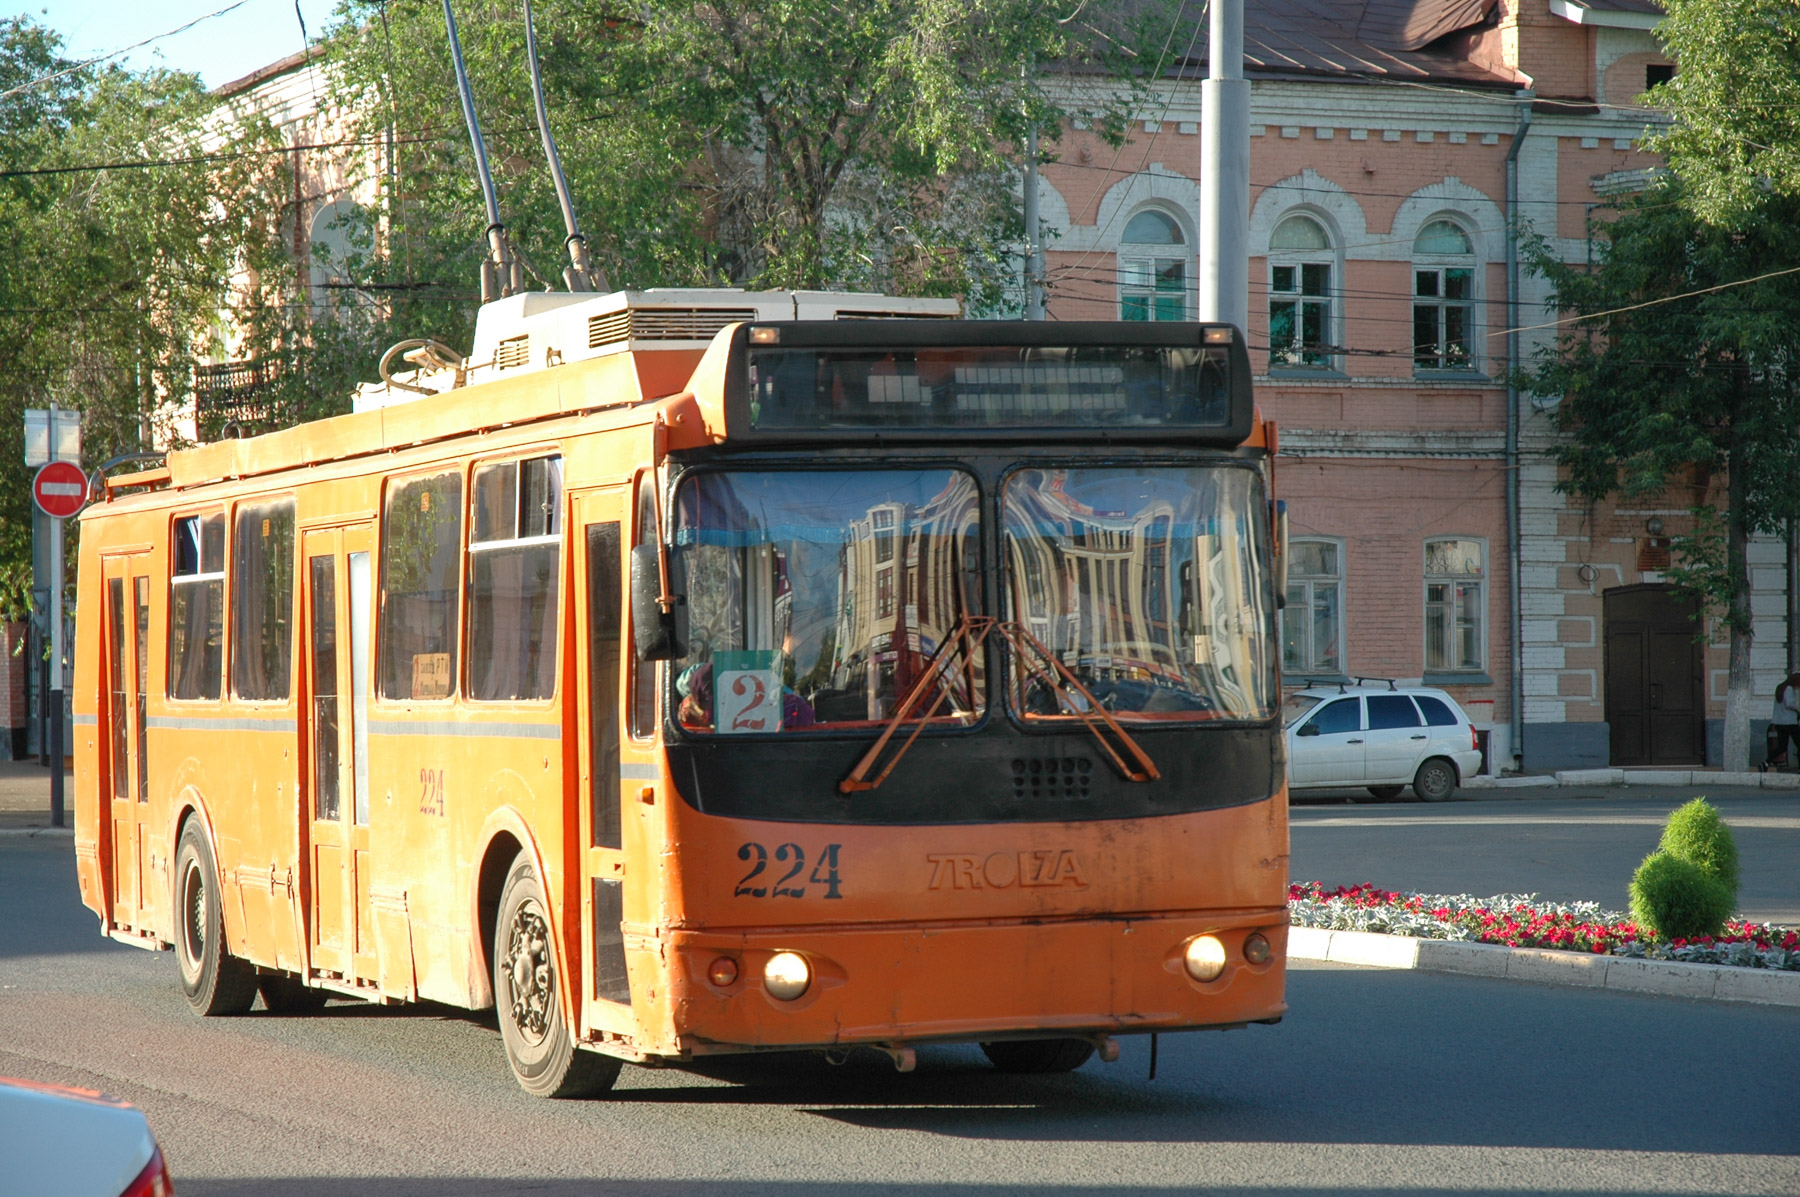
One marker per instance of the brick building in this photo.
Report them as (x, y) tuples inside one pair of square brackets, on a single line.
[(1381, 261)]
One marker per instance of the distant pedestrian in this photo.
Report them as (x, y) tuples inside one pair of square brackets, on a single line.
[(1784, 721)]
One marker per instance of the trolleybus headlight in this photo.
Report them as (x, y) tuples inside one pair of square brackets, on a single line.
[(786, 975), (1205, 958), (722, 972), (1256, 948)]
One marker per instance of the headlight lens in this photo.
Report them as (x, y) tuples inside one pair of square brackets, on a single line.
[(1256, 948), (1205, 958), (786, 975)]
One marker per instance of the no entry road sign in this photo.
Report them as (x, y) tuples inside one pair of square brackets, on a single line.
[(60, 489)]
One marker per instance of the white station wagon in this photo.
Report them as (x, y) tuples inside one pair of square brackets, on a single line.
[(1382, 738)]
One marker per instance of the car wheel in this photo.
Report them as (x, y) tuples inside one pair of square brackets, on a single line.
[(539, 1045), (1435, 781), (282, 994), (1038, 1055), (1386, 793), (212, 979)]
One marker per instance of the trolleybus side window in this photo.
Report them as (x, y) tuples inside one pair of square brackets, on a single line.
[(421, 541), (644, 673), (197, 607), (262, 601), (604, 653), (515, 553), (1143, 584), (819, 598)]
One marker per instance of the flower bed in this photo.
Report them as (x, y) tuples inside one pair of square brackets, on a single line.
[(1525, 921)]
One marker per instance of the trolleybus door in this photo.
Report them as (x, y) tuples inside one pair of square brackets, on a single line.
[(610, 821), (335, 730), (127, 677)]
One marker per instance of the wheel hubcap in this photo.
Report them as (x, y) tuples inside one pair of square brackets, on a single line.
[(528, 970), (193, 909)]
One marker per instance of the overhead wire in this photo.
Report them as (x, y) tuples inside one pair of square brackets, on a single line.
[(80, 66)]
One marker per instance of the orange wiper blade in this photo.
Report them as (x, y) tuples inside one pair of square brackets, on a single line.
[(970, 632), (1097, 718)]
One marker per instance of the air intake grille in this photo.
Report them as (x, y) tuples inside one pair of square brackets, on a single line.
[(662, 324), (1052, 777), (514, 351)]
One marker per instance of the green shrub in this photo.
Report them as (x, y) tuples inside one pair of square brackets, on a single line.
[(1677, 899), (1697, 835)]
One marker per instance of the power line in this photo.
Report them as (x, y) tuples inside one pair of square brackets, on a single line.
[(114, 54)]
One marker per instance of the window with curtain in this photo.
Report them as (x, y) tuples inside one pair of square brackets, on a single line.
[(1455, 577), (1301, 258), (262, 601), (1443, 298), (1153, 268), (515, 551), (197, 607), (1312, 621)]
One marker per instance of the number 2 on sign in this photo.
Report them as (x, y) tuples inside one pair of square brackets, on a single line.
[(749, 701)]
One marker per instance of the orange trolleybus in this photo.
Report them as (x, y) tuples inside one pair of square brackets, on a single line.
[(682, 677)]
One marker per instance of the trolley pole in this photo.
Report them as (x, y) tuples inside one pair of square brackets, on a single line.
[(1225, 172)]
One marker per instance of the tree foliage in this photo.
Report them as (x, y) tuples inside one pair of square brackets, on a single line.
[(111, 278), (1735, 103)]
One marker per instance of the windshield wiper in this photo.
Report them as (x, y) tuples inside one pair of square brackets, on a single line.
[(969, 634)]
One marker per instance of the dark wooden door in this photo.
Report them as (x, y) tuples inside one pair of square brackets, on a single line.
[(1655, 701)]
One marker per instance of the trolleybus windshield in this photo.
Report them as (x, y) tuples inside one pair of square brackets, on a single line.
[(816, 598), (1144, 583)]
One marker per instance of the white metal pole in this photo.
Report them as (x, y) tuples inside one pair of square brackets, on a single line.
[(1225, 171), (56, 649)]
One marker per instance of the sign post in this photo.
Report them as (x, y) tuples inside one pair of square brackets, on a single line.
[(60, 489)]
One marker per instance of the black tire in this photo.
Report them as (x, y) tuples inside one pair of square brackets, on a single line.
[(212, 979), (1435, 780), (539, 1044), (1384, 793), (282, 994), (1038, 1055)]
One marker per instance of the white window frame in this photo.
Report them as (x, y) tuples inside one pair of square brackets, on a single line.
[(1313, 584), (1454, 613), (1440, 360), (1140, 268), (1293, 355)]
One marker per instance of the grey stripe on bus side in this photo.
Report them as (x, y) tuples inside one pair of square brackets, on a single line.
[(632, 772), (515, 731), (209, 723), (81, 719)]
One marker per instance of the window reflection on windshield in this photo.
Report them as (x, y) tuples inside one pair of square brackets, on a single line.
[(817, 598), (1145, 584)]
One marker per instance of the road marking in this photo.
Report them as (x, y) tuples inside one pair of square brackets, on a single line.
[(1754, 822)]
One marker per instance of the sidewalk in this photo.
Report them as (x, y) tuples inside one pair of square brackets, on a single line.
[(1638, 777), (25, 796)]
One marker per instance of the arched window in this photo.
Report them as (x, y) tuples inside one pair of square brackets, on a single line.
[(1443, 298), (332, 238), (1153, 263), (1300, 262)]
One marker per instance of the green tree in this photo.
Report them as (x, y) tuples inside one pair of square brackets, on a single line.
[(1735, 103), (804, 143), (1671, 359), (119, 239)]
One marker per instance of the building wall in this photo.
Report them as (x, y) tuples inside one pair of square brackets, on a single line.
[(14, 672)]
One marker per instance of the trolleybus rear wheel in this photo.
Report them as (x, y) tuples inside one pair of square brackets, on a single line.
[(539, 1045), (282, 994), (1038, 1055), (212, 979)]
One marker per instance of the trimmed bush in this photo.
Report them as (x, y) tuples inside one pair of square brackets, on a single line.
[(1677, 899), (1697, 835)]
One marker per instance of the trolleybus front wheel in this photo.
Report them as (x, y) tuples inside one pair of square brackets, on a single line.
[(539, 1045), (212, 979), (1038, 1055)]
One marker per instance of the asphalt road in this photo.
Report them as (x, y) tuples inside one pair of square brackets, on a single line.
[(1377, 1082), (1566, 845)]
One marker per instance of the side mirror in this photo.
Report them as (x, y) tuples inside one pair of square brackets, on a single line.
[(1308, 729), (657, 634)]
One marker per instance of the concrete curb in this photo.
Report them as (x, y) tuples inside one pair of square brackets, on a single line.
[(1639, 777), (1664, 978), (33, 832)]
